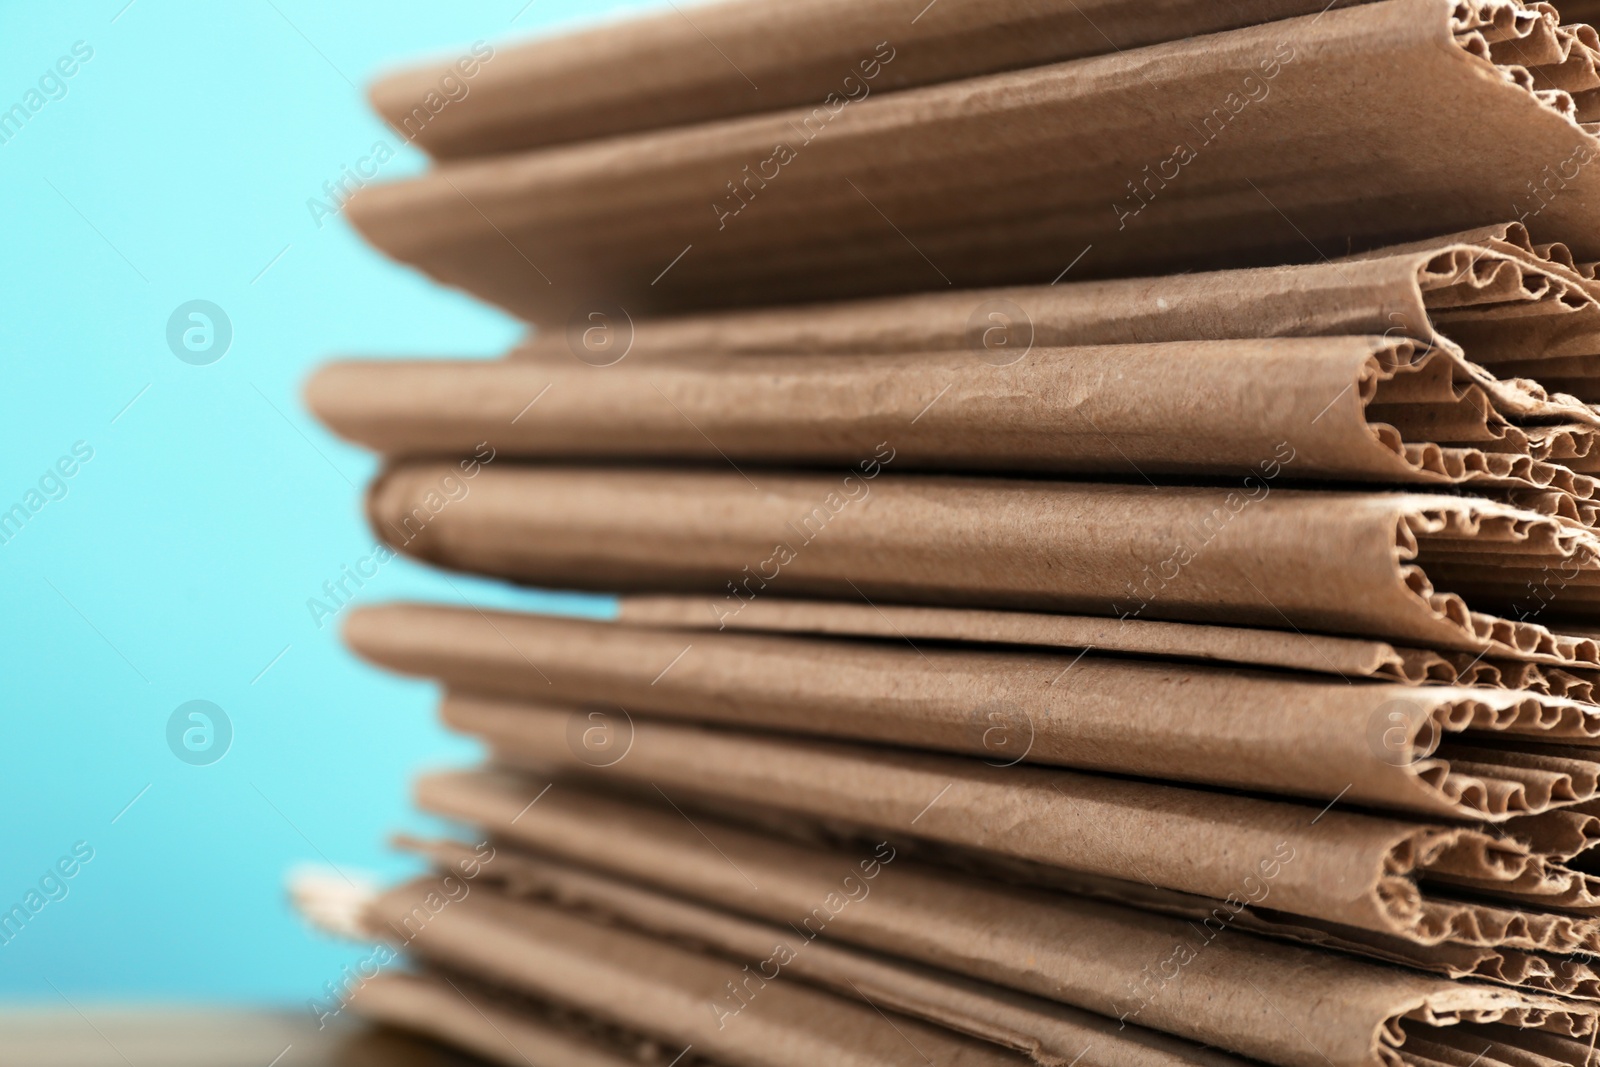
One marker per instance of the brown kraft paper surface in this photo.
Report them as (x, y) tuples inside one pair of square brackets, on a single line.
[(1360, 870), (1380, 745), (660, 989), (1050, 1033), (1382, 565), (1274, 127), (649, 72), (1080, 952), (1349, 408), (1345, 657)]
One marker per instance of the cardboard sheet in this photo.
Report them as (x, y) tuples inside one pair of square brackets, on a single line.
[(1229, 989), (1345, 657), (1432, 750), (615, 973), (1440, 572), (738, 58), (1496, 273), (1364, 871), (1369, 409), (1509, 307), (1246, 147), (1567, 836), (533, 873), (660, 989), (1048, 1032), (620, 823), (494, 1027), (1536, 970)]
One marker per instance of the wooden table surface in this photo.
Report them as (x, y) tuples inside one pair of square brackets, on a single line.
[(100, 1036)]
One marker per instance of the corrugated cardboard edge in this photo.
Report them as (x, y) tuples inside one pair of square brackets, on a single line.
[(1376, 410), (1377, 874), (1436, 751), (1313, 653), (947, 546), (428, 222), (526, 872), (1050, 1033), (1387, 292), (1008, 943)]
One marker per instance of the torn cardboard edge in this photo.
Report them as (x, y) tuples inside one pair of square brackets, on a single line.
[(1443, 752), (1566, 836), (1427, 883), (1093, 955)]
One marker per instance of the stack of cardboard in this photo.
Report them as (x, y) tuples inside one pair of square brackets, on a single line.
[(1182, 655)]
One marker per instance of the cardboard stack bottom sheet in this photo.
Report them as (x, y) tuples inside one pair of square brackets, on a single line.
[(1190, 656)]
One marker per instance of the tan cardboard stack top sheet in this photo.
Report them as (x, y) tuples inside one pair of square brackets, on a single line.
[(662, 71), (1401, 119), (1104, 505)]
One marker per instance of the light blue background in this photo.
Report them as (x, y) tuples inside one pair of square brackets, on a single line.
[(182, 556)]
